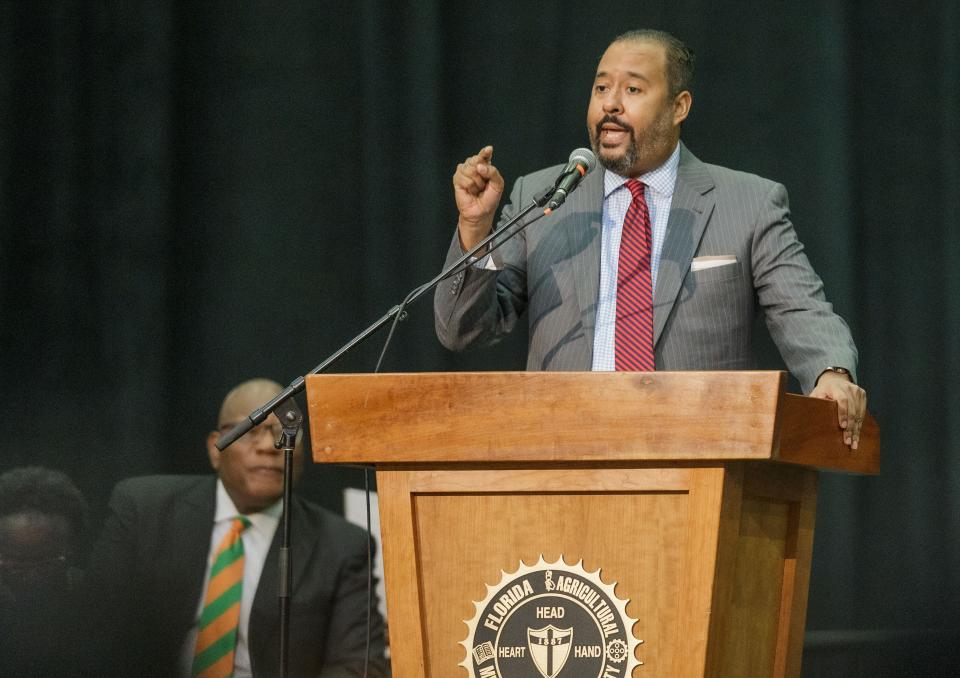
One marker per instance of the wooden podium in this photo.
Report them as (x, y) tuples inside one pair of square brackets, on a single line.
[(695, 492)]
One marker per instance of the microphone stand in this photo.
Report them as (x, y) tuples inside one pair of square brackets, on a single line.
[(291, 417)]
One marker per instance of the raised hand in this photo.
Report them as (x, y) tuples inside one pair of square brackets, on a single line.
[(477, 187)]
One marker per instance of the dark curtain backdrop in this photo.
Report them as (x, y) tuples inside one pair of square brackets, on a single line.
[(195, 193)]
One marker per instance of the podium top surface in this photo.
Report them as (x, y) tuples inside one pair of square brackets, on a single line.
[(556, 417)]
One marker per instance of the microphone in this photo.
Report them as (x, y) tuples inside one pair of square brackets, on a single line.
[(581, 163)]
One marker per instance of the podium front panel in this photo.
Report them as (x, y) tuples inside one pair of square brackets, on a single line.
[(708, 573), (470, 528)]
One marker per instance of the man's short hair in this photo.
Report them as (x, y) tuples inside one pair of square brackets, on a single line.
[(37, 489), (680, 59)]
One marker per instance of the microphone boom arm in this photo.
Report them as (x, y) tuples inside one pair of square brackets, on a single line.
[(260, 414)]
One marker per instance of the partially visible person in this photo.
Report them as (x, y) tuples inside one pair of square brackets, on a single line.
[(43, 521), (184, 576)]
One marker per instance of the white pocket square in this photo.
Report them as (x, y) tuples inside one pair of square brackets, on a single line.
[(702, 263)]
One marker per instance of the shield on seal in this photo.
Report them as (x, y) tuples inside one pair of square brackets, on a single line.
[(549, 648)]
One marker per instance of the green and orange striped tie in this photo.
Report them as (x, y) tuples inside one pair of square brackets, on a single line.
[(217, 635)]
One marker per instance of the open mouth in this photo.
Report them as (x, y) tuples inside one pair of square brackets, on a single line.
[(612, 133), (613, 136)]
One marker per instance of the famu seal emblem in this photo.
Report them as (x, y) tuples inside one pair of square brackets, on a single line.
[(550, 620)]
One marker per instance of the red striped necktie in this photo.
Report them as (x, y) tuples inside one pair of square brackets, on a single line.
[(633, 344)]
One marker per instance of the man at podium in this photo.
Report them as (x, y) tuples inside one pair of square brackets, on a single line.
[(657, 262)]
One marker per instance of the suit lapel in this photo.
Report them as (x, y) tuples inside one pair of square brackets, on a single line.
[(690, 210), (265, 613), (583, 243), (191, 526)]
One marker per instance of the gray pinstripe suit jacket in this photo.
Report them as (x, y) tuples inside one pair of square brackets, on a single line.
[(703, 319)]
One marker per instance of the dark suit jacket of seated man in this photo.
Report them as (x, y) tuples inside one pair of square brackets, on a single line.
[(148, 570)]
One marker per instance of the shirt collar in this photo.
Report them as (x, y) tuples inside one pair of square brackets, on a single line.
[(663, 179), (264, 521)]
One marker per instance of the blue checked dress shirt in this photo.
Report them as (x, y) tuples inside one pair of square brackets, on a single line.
[(616, 200)]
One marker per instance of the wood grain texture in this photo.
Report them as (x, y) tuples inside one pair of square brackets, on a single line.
[(698, 567), (728, 536), (575, 416), (674, 484), (799, 557), (468, 531), (749, 645), (715, 560), (557, 480), (401, 572), (763, 570), (811, 435)]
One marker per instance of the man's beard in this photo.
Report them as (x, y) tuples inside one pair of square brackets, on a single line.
[(645, 145)]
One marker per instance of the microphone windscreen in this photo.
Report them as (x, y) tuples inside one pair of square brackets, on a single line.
[(582, 156)]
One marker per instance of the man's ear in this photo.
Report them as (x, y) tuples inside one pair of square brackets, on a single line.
[(212, 450), (681, 107)]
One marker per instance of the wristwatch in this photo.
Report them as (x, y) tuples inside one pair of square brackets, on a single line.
[(839, 370)]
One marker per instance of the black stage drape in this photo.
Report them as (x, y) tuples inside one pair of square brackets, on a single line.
[(195, 193)]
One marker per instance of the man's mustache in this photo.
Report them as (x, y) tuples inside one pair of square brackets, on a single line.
[(616, 121)]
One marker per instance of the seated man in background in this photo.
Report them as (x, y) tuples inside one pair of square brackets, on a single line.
[(43, 520), (186, 577)]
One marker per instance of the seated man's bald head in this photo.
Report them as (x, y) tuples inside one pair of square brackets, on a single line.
[(244, 398)]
